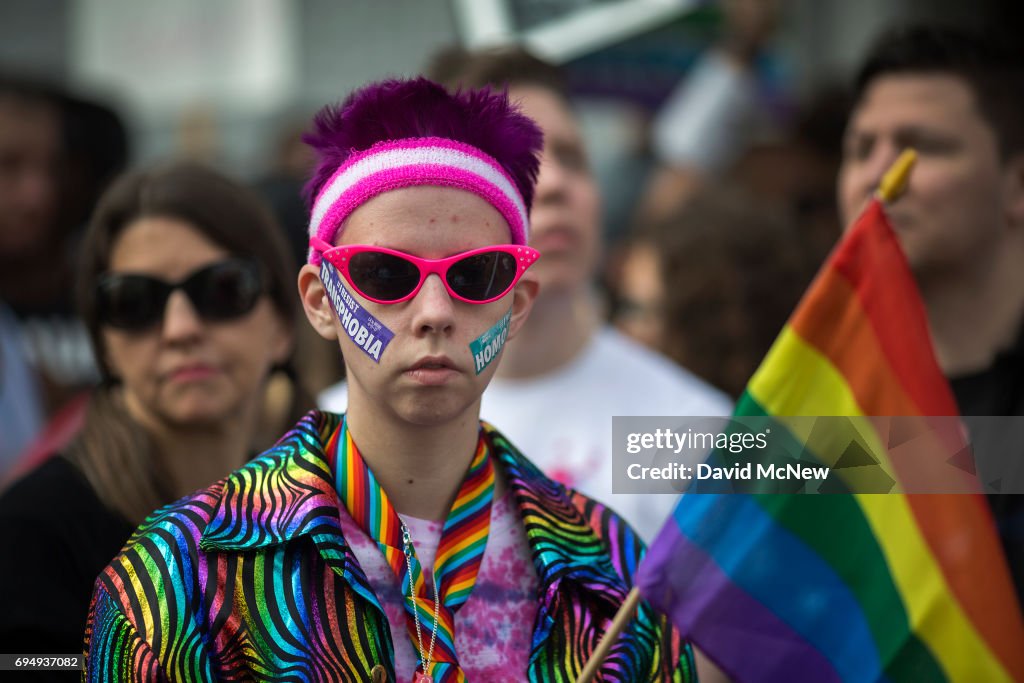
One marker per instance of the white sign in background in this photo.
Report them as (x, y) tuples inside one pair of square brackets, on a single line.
[(231, 54)]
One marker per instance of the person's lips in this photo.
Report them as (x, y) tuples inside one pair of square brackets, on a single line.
[(432, 370), (195, 372), (901, 221)]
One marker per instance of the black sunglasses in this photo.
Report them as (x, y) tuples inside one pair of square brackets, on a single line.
[(221, 291)]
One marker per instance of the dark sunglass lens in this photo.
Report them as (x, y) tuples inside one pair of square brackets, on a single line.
[(385, 277), (483, 276), (225, 290), (131, 302)]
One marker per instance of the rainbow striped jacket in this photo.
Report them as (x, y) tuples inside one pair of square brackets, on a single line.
[(251, 579)]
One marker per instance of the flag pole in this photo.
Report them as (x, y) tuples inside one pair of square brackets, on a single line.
[(622, 618), (894, 182)]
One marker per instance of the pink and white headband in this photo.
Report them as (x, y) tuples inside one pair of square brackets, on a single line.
[(395, 164)]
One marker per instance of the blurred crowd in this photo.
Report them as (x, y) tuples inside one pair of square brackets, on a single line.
[(669, 313)]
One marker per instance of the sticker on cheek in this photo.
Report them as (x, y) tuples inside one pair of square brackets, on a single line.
[(362, 328), (488, 345)]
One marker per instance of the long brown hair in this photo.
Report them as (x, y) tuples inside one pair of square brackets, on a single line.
[(731, 271), (116, 454)]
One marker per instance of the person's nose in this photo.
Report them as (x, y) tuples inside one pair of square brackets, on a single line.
[(860, 176), (36, 186), (882, 157), (181, 323), (433, 308)]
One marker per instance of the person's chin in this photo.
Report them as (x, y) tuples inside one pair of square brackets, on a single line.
[(197, 415), (437, 408)]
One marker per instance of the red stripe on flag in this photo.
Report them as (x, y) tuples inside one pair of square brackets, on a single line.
[(900, 322)]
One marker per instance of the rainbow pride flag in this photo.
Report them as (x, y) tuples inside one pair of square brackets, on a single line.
[(850, 587)]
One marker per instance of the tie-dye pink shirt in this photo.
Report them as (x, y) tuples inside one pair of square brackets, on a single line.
[(493, 629)]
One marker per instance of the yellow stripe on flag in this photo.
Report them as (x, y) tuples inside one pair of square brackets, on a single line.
[(780, 387)]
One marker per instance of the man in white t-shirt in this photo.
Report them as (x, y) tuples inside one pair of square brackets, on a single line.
[(567, 374)]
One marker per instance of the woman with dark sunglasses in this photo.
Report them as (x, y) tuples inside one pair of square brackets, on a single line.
[(405, 540), (185, 286)]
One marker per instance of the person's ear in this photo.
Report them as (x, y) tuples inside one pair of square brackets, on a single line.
[(315, 303), (1013, 190), (108, 367), (523, 296), (283, 339)]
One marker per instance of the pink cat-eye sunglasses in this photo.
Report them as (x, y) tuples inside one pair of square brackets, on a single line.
[(387, 276)]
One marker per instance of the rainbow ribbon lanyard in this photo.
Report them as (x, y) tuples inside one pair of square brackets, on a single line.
[(459, 551)]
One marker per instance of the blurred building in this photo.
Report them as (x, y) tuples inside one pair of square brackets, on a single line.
[(243, 65)]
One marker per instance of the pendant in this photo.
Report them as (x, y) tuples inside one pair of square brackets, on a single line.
[(419, 677)]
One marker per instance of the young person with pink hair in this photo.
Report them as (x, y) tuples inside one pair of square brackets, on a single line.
[(403, 540)]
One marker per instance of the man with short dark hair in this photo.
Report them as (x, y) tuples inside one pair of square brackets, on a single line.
[(957, 99)]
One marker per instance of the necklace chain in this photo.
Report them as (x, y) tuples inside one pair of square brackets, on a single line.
[(425, 661)]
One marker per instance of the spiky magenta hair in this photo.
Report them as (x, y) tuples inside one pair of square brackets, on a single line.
[(419, 108)]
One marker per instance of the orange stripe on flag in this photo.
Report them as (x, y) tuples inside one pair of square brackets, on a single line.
[(959, 531), (838, 328)]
